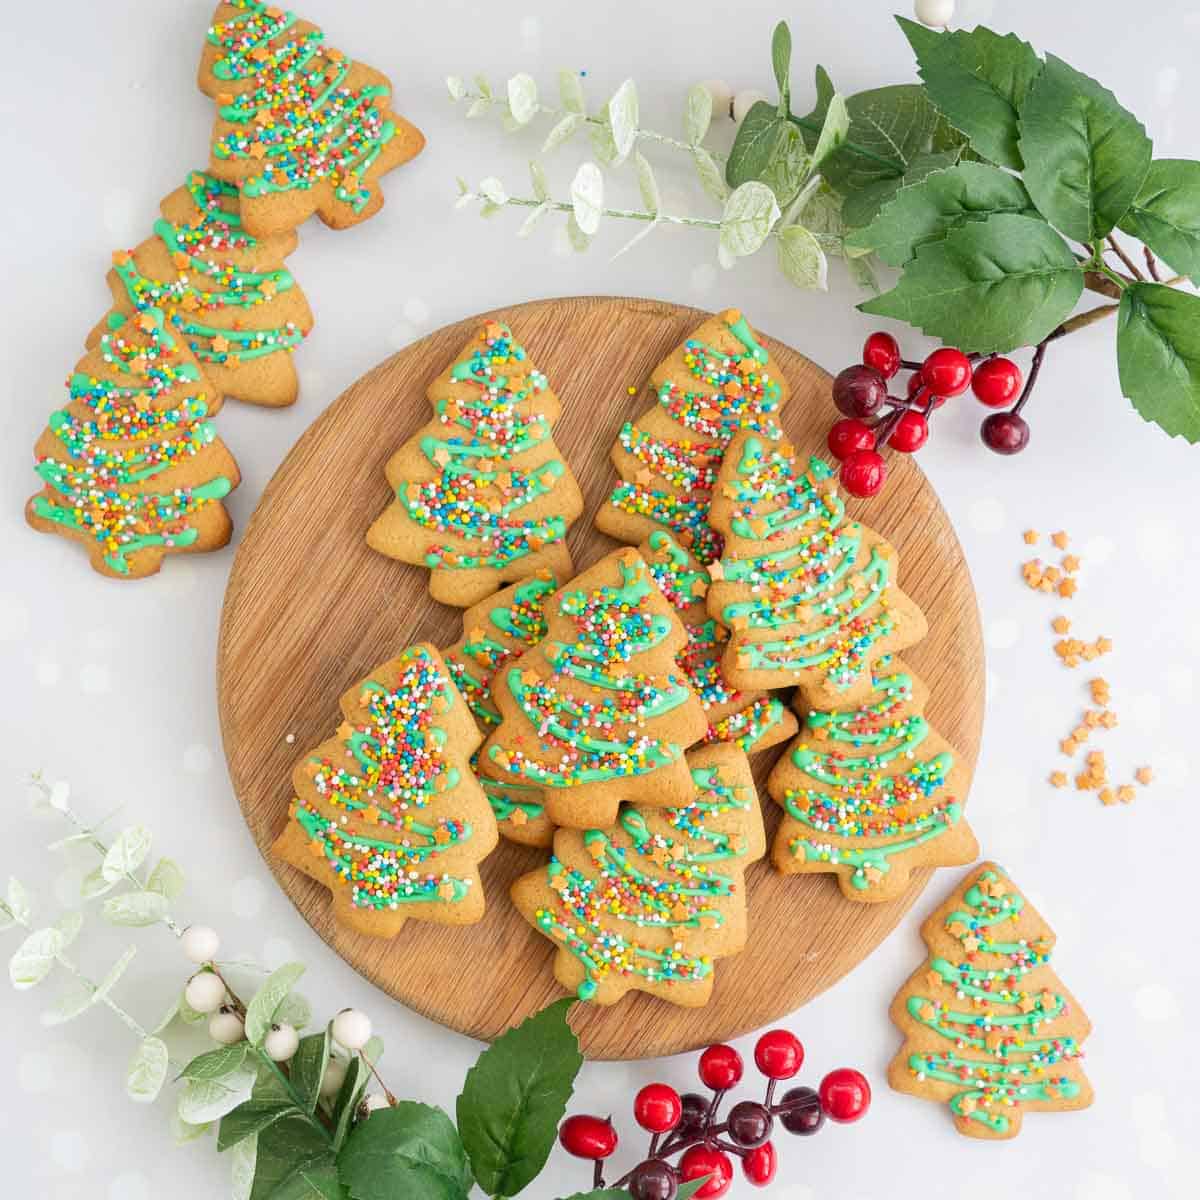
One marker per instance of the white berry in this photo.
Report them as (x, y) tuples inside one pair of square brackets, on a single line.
[(331, 1081), (205, 992), (934, 13), (352, 1029), (281, 1042), (200, 943), (744, 101), (722, 97), (226, 1027)]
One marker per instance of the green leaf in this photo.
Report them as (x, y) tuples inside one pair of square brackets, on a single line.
[(812, 122), (522, 98), (834, 130), (1165, 214), (989, 285), (1158, 356), (535, 215), (74, 1004), (182, 1132), (204, 1100), (147, 1071), (623, 119), (127, 853), (697, 114), (1087, 156), (308, 1066), (689, 1189), (260, 1012), (790, 165), (95, 885), (248, 1119), (216, 1064), (587, 197), (135, 908), (348, 1097), (492, 189), (750, 212), (570, 88), (709, 174), (242, 1161), (980, 81), (166, 879), (562, 130), (802, 259), (889, 127), (34, 958), (456, 87), (579, 240), (409, 1150), (18, 900), (295, 1010), (292, 1153), (514, 1098), (781, 63), (69, 925), (863, 206), (927, 210), (755, 145), (541, 189), (647, 184)]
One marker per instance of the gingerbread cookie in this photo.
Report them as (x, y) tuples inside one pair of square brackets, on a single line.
[(872, 792), (300, 127), (718, 382), (495, 632), (599, 711), (809, 597), (388, 814), (132, 467), (226, 293), (751, 720), (482, 494), (988, 1026), (650, 902)]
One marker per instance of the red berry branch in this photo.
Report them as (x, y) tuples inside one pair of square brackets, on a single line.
[(687, 1127)]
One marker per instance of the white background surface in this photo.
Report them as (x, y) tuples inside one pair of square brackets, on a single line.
[(113, 687)]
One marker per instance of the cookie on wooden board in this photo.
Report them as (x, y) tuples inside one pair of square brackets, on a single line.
[(388, 814)]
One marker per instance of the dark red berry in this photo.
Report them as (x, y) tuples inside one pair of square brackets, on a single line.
[(845, 1094), (863, 473), (700, 1161), (1005, 432), (695, 1110), (749, 1123), (996, 382), (588, 1137), (779, 1054), (859, 391), (946, 372), (759, 1166), (882, 352), (720, 1068), (848, 435), (657, 1108), (801, 1111), (911, 433), (653, 1180)]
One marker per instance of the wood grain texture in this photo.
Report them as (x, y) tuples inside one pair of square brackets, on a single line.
[(310, 609)]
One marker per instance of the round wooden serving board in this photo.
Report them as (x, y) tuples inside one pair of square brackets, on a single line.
[(311, 609)]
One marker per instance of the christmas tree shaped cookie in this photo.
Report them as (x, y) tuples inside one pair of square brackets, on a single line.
[(226, 293), (495, 632), (132, 467), (483, 496), (871, 792), (752, 720), (388, 814), (808, 596), (988, 1026), (717, 383), (300, 127), (649, 902), (599, 711)]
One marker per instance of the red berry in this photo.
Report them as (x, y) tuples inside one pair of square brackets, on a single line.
[(657, 1108), (720, 1068), (996, 382), (702, 1160), (911, 433), (863, 473), (654, 1179), (845, 1094), (588, 1137), (946, 372), (848, 435), (801, 1113), (882, 352), (779, 1054), (920, 394), (759, 1165), (1005, 432), (859, 391)]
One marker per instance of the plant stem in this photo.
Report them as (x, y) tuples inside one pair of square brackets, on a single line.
[(1151, 264), (628, 214), (1119, 251)]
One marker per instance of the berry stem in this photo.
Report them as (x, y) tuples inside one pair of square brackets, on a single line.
[(1119, 251), (1038, 354), (598, 1175)]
